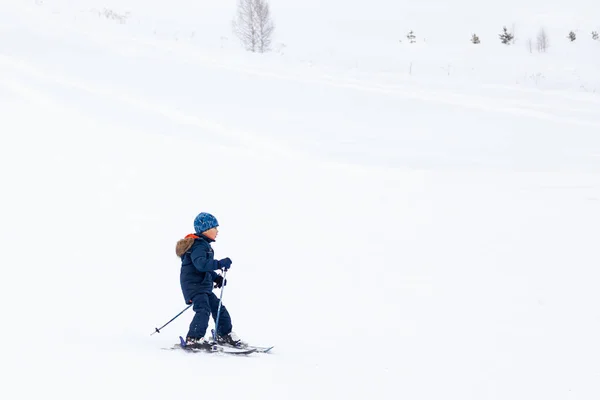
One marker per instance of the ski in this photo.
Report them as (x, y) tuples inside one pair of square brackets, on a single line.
[(215, 348), (262, 349), (255, 349)]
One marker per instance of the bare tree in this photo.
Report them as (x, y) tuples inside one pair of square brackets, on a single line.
[(475, 39), (542, 41), (411, 37), (530, 45), (253, 25), (265, 25), (244, 26)]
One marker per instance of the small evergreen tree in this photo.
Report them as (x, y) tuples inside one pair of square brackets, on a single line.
[(475, 39), (572, 36), (411, 37), (595, 35), (506, 37)]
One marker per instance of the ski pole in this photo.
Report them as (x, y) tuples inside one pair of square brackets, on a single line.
[(157, 330), (219, 309)]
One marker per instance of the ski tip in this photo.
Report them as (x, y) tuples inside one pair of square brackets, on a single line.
[(264, 349), (245, 352), (182, 341)]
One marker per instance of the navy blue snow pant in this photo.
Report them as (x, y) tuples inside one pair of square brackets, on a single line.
[(206, 304)]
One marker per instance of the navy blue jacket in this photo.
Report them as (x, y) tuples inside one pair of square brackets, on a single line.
[(198, 268)]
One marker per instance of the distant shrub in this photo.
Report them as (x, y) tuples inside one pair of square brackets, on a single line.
[(506, 37), (110, 14), (595, 35), (411, 37), (571, 36), (475, 39), (537, 78)]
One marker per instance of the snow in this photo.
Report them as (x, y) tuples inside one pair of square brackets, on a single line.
[(444, 218)]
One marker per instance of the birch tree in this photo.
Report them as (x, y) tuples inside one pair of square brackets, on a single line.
[(542, 41), (253, 25)]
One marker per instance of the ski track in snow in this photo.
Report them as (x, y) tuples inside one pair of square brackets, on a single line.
[(252, 139), (511, 107), (128, 99)]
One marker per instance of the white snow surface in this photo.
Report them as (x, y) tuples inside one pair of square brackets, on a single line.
[(405, 221)]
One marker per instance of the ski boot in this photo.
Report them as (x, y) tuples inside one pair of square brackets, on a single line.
[(231, 339), (198, 343)]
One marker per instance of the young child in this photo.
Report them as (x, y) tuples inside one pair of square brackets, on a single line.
[(198, 274)]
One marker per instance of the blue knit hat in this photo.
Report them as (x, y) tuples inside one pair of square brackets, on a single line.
[(204, 221)]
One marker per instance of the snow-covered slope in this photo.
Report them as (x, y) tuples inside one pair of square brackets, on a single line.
[(424, 236)]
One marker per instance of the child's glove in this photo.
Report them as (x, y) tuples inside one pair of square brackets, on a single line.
[(219, 283), (225, 264)]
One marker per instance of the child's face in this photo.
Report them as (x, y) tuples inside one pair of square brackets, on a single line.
[(211, 233)]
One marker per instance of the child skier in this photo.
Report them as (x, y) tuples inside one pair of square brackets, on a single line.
[(198, 274)]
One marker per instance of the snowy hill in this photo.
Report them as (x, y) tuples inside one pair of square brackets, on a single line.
[(405, 221)]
